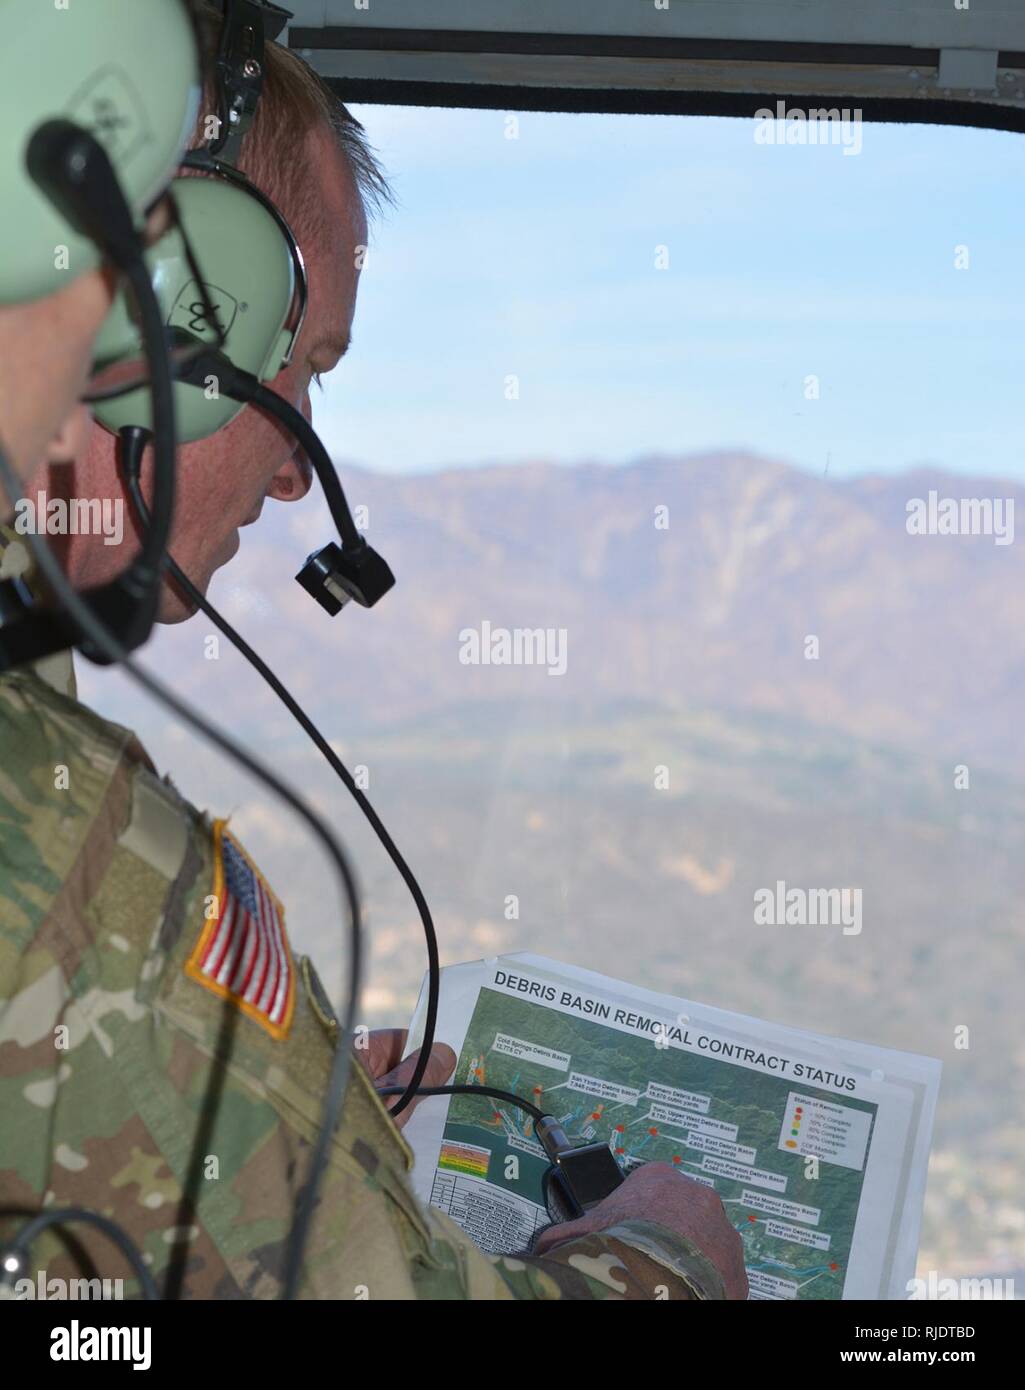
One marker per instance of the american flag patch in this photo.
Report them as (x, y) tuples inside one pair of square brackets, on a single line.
[(243, 952)]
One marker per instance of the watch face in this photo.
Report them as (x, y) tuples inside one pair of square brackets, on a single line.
[(590, 1173)]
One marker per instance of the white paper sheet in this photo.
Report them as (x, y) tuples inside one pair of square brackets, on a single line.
[(818, 1146)]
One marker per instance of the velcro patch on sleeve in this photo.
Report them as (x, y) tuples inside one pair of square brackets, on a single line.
[(242, 953)]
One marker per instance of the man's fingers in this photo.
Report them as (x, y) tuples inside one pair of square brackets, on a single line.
[(439, 1068), (558, 1233), (383, 1050), (382, 1058)]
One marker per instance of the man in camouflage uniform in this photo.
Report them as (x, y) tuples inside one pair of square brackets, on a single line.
[(163, 1066), (115, 1060)]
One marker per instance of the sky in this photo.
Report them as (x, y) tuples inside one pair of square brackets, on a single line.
[(513, 307)]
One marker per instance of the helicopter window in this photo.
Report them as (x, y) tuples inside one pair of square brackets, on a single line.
[(695, 455)]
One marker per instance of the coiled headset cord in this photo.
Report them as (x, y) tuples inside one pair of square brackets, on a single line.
[(133, 443), (532, 1110), (133, 440)]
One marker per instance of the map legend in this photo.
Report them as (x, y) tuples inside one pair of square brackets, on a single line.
[(833, 1133)]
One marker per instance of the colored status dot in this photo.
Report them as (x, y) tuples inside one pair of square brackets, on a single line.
[(495, 1115), (677, 1158), (794, 1131), (620, 1128), (791, 1144), (653, 1130), (621, 1151), (537, 1090), (595, 1114), (834, 1267), (751, 1218)]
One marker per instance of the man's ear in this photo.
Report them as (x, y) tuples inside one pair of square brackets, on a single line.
[(71, 440)]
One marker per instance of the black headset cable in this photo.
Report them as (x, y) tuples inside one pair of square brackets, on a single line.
[(133, 441)]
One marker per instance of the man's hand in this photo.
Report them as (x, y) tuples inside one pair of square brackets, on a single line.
[(659, 1192), (382, 1060)]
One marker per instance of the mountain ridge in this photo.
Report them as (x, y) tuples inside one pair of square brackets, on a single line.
[(753, 558)]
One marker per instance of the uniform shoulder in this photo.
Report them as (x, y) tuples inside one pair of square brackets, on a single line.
[(59, 764), (36, 719)]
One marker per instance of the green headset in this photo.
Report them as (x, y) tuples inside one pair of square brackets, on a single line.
[(228, 275), (232, 290), (253, 282), (127, 71)]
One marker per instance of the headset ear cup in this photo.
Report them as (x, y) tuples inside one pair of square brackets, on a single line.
[(249, 276), (125, 70)]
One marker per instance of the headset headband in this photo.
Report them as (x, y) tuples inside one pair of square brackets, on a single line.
[(240, 70)]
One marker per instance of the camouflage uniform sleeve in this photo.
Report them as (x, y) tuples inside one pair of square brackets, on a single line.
[(632, 1260), (127, 1084), (132, 1084)]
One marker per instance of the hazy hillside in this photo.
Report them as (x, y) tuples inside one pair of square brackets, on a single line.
[(921, 638)]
